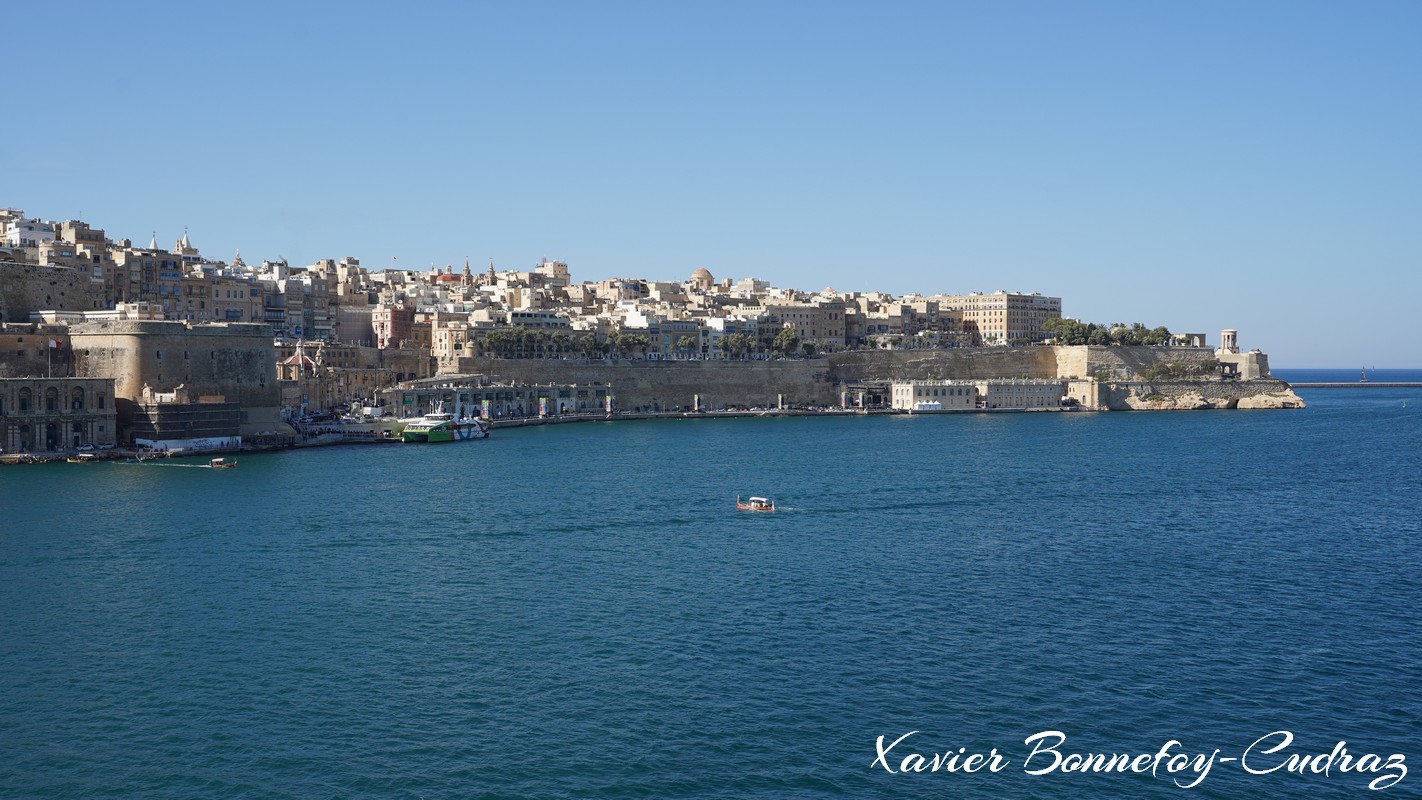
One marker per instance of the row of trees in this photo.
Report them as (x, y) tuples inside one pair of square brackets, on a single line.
[(521, 342), (1070, 331)]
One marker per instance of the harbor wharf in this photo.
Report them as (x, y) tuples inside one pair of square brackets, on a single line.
[(276, 443)]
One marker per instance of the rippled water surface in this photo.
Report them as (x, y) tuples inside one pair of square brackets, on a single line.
[(579, 611)]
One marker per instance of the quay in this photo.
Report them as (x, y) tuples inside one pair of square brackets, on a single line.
[(598, 416), (523, 422), (277, 443), (1360, 385)]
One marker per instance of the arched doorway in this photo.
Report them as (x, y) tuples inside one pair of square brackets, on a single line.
[(51, 436)]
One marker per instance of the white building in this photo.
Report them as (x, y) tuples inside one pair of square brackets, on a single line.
[(29, 233), (933, 395), (960, 395), (1021, 393)]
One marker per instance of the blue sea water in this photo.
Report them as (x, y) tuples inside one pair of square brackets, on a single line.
[(1373, 375), (580, 612)]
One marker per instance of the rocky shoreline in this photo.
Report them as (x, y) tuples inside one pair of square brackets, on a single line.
[(1263, 393)]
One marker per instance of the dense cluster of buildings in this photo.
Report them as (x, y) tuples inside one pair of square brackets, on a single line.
[(102, 339), (455, 313)]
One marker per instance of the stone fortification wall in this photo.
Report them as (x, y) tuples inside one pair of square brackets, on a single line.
[(669, 384), (958, 363), (237, 362), (411, 362), (812, 381), (25, 351), (26, 288), (817, 381), (1124, 363)]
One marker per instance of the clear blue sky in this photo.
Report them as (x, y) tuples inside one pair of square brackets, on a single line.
[(1198, 165)]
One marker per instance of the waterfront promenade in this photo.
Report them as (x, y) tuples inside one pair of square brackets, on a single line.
[(297, 442)]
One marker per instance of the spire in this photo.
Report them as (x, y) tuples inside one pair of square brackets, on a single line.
[(186, 243), (153, 243)]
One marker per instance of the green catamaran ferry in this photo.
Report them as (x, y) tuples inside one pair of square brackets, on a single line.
[(441, 426)]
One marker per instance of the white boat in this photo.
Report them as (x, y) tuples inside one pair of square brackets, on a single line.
[(755, 504), (441, 426), (371, 423)]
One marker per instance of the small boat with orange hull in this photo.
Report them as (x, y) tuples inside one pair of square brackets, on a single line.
[(755, 504)]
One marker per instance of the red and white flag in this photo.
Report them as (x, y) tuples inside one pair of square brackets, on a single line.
[(55, 344)]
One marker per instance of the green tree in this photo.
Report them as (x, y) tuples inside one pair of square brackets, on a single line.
[(1157, 336), (635, 343), (785, 342)]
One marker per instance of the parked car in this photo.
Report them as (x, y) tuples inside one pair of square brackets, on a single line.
[(85, 448), (106, 446)]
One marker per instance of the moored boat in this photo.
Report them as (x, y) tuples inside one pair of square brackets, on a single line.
[(371, 423), (441, 426)]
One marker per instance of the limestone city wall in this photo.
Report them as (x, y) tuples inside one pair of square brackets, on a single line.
[(27, 288), (236, 361)]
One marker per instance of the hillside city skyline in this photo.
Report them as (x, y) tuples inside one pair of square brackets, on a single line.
[(83, 273)]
